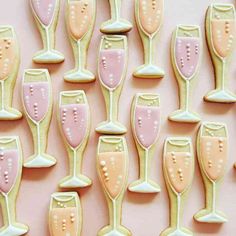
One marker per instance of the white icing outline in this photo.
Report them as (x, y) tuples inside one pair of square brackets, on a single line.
[(150, 37), (145, 96), (47, 80), (3, 29), (71, 196), (74, 93), (47, 28), (113, 38), (11, 139), (114, 140), (209, 125)]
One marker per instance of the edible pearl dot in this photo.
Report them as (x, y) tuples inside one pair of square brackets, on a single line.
[(102, 163)]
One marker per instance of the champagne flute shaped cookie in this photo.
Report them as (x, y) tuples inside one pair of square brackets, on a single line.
[(46, 16), (37, 102), (9, 66), (178, 168), (149, 14), (80, 19), (10, 178), (116, 24), (74, 120), (65, 214), (145, 121), (221, 34), (112, 66), (186, 49), (112, 167), (212, 151)]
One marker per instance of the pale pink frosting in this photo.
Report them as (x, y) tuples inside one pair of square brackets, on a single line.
[(147, 124), (111, 66), (187, 51), (9, 166), (44, 9), (36, 99), (74, 121)]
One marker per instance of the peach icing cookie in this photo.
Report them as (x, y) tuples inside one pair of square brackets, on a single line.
[(221, 34), (37, 103), (145, 121), (112, 66), (46, 16), (74, 122), (9, 66), (10, 178), (80, 19), (65, 214), (178, 168), (186, 51), (212, 150), (149, 17), (112, 168), (116, 24)]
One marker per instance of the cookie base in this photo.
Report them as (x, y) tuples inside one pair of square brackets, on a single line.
[(116, 26), (210, 217), (110, 231), (48, 57), (14, 230), (79, 181), (149, 72), (221, 96), (40, 161), (176, 232), (79, 76), (108, 127), (142, 186), (10, 114), (184, 116)]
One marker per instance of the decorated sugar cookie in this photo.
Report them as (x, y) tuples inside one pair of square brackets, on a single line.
[(178, 168), (149, 16), (112, 167), (9, 66), (74, 122), (65, 214), (112, 66), (80, 19), (46, 16), (10, 178), (116, 24), (145, 120), (37, 103), (186, 50), (212, 150), (221, 34)]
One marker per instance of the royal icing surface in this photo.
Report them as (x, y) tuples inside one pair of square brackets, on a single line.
[(44, 9), (179, 168), (213, 156), (80, 17), (147, 124), (64, 221), (36, 99), (112, 170), (74, 121), (223, 36), (187, 51), (7, 57), (9, 165), (111, 66), (150, 14)]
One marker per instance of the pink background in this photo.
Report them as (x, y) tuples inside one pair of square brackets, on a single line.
[(142, 214)]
